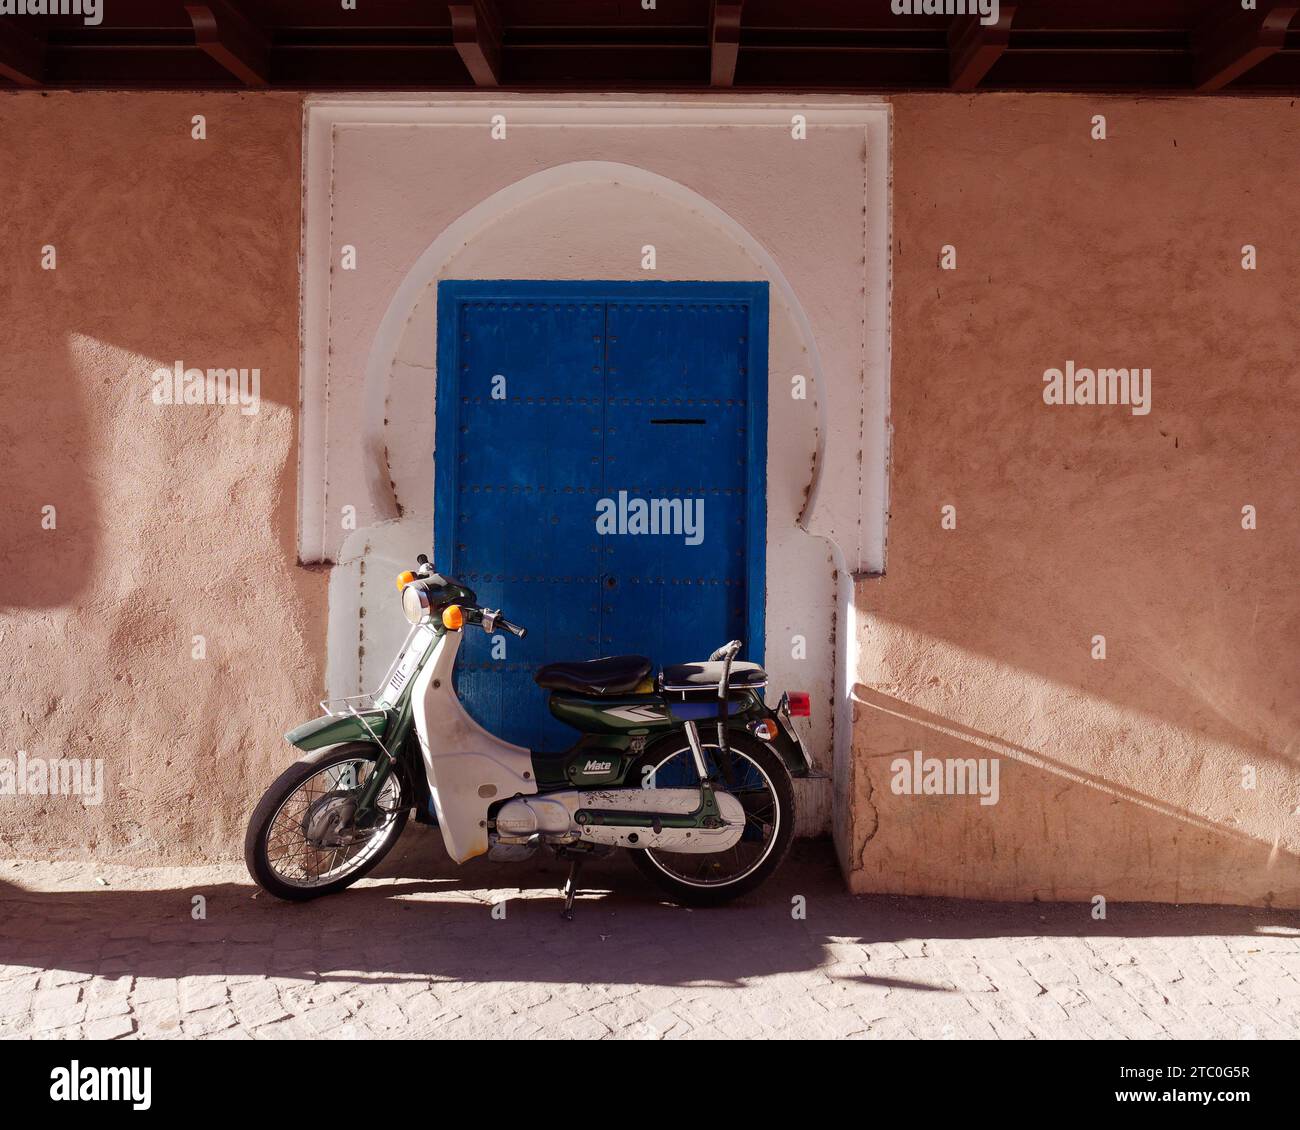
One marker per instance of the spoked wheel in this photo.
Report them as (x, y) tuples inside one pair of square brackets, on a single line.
[(760, 781), (302, 842)]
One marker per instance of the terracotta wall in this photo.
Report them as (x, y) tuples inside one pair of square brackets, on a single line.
[(172, 521), (1120, 777)]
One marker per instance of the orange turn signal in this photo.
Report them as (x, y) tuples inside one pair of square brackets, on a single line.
[(404, 579), (453, 617)]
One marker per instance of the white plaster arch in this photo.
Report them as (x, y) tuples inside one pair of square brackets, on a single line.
[(428, 269)]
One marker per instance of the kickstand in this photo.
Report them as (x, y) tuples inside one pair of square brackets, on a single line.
[(570, 888)]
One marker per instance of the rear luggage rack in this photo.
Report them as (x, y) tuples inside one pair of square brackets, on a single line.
[(722, 689), (354, 704), (706, 689)]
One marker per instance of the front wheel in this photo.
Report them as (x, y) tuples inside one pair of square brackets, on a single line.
[(302, 842), (758, 779)]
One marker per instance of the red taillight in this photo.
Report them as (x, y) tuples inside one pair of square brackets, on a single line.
[(800, 705)]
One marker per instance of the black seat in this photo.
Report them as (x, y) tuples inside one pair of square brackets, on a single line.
[(616, 674), (743, 674)]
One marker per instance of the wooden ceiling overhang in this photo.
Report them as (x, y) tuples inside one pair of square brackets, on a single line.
[(867, 46)]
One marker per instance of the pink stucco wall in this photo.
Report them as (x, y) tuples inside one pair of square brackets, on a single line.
[(1120, 777), (172, 522)]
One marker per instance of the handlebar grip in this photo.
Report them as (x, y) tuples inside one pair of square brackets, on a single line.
[(722, 653), (492, 621)]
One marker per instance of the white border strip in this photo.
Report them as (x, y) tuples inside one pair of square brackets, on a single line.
[(864, 547)]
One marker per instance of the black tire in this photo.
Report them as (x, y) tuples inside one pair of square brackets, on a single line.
[(690, 893), (256, 855)]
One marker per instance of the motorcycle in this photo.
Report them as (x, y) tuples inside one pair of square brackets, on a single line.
[(691, 772)]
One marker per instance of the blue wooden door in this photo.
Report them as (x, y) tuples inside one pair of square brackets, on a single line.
[(600, 477), (676, 408)]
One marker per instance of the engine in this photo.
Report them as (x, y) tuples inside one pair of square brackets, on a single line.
[(538, 815), (572, 815)]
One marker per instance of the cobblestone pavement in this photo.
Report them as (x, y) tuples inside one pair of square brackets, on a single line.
[(117, 952)]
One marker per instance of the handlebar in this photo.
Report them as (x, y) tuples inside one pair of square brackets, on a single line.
[(488, 619), (492, 621)]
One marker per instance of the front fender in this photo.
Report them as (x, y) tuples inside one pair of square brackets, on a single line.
[(332, 729)]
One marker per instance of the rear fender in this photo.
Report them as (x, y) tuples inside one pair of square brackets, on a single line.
[(746, 714), (787, 743)]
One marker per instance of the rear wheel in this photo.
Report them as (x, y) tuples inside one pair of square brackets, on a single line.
[(302, 842), (759, 780)]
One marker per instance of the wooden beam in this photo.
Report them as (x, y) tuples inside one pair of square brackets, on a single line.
[(22, 56), (724, 41), (226, 34), (1232, 41), (477, 36), (974, 47)]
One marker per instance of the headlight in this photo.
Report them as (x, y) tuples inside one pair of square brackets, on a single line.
[(415, 603)]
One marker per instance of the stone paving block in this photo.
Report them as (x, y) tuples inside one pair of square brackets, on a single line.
[(664, 1024), (107, 1009), (157, 1017), (966, 975), (55, 997), (199, 993), (584, 1026), (209, 1021), (1087, 1021), (52, 1019), (108, 1028), (292, 1028), (1013, 979), (621, 1014), (550, 1012), (381, 1013)]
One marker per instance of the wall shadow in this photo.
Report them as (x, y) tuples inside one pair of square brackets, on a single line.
[(1049, 817), (390, 929), (981, 744), (166, 248)]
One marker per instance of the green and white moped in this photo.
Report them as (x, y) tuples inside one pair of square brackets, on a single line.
[(691, 771)]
